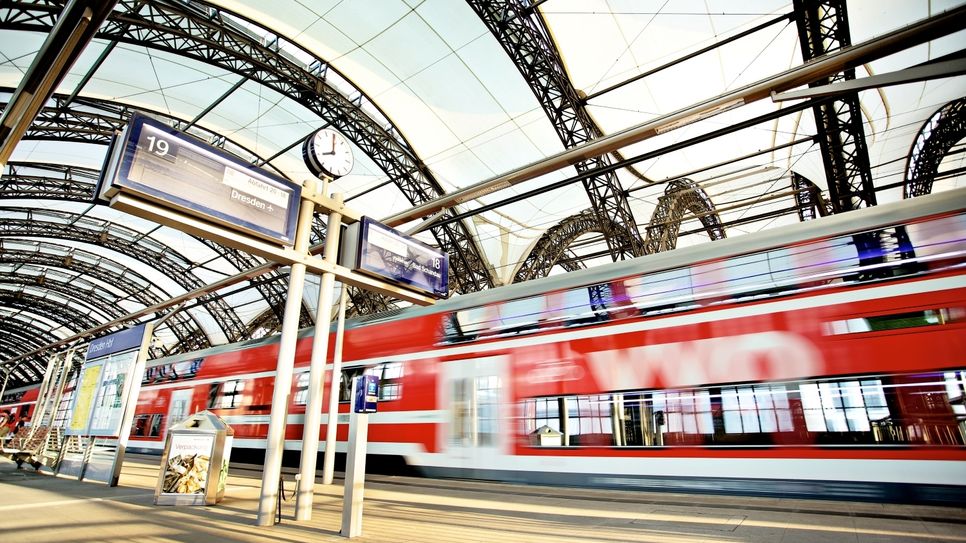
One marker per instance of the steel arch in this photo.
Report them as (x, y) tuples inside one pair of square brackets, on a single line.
[(680, 196), (184, 325), (809, 199), (547, 251), (524, 36), (944, 129), (65, 225)]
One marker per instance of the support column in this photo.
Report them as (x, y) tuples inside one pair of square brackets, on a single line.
[(275, 445), (320, 350)]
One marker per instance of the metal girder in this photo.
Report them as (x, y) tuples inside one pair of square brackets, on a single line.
[(936, 137), (76, 289), (97, 120), (680, 196), (823, 27), (207, 34), (185, 327), (809, 198), (39, 180), (66, 225), (67, 316), (524, 36), (28, 341), (77, 184), (547, 251), (75, 27)]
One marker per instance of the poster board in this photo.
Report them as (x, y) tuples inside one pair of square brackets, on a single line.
[(102, 409), (105, 385)]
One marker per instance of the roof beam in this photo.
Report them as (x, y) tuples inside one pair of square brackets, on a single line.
[(898, 40), (75, 27)]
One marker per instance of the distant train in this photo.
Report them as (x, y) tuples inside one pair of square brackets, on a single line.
[(823, 359)]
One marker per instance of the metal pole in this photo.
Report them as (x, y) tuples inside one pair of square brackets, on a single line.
[(320, 348), (328, 464), (275, 445)]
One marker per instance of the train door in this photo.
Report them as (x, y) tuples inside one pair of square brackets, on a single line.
[(180, 403), (475, 396)]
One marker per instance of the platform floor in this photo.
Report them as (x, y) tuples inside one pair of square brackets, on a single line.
[(37, 507)]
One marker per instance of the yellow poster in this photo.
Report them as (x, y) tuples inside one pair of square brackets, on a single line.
[(84, 396)]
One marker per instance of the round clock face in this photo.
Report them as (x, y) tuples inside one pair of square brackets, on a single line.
[(327, 153)]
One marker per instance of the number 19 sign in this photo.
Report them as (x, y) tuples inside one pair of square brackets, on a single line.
[(161, 164)]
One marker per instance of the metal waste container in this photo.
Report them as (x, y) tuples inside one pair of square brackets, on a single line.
[(194, 466)]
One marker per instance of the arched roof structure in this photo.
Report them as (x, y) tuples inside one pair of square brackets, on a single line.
[(436, 97)]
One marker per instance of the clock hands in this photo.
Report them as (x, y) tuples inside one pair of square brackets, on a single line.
[(331, 150)]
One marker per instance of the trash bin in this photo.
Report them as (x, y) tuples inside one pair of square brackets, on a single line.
[(546, 436), (194, 466)]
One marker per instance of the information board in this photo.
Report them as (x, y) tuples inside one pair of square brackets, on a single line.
[(104, 386), (376, 249), (164, 165)]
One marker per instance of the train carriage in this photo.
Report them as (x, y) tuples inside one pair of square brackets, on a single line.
[(825, 358)]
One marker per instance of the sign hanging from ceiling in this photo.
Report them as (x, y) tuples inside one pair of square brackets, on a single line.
[(158, 163), (371, 247)]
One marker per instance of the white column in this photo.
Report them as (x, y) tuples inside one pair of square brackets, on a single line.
[(320, 348), (355, 469), (272, 469), (328, 463)]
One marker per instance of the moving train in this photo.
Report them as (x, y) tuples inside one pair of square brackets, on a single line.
[(823, 359)]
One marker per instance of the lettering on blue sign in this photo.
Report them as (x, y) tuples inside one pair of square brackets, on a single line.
[(106, 344)]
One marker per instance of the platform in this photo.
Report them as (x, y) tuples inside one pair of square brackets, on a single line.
[(37, 507)]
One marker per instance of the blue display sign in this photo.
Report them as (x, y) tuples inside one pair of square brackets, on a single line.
[(118, 342), (376, 249), (367, 394), (167, 166)]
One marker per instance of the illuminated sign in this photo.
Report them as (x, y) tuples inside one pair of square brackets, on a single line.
[(367, 394), (164, 165), (371, 247)]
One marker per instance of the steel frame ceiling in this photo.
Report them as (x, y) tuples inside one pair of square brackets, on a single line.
[(204, 33)]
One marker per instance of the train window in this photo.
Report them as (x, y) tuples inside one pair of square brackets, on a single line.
[(226, 395), (756, 409), (687, 412), (896, 321), (147, 425), (589, 420), (390, 380), (541, 412), (301, 395), (955, 382), (921, 409)]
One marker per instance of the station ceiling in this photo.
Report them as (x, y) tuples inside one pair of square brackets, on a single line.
[(439, 95)]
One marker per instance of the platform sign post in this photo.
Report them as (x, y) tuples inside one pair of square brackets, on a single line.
[(365, 392), (162, 174), (103, 406), (313, 405), (275, 445)]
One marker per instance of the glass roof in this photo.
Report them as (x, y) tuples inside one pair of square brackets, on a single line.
[(432, 75)]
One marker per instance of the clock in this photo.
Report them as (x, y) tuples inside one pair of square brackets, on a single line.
[(327, 153)]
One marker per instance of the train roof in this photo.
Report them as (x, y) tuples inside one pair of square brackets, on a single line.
[(834, 225)]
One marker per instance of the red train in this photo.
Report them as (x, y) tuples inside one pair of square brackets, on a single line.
[(822, 359)]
